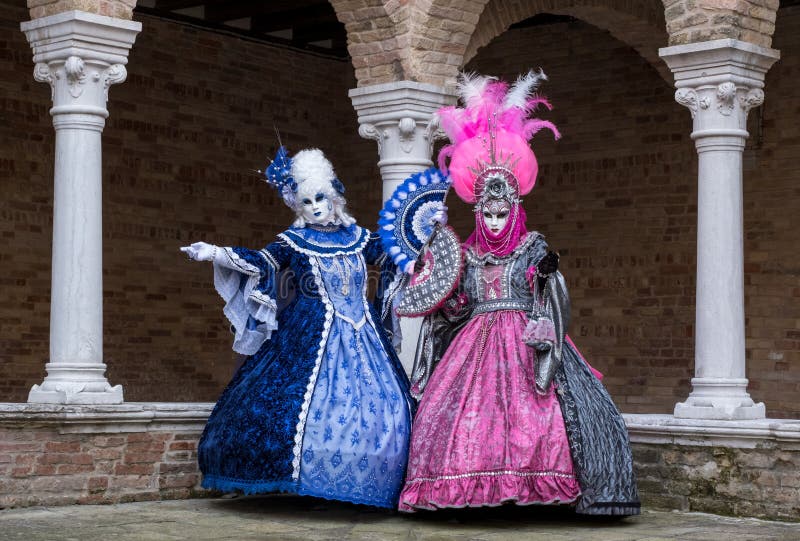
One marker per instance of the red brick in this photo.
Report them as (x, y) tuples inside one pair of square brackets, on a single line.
[(149, 458), (65, 469), (20, 447), (178, 481), (131, 482), (97, 484), (105, 454), (133, 469), (106, 441), (43, 470), (179, 468), (22, 471), (62, 447), (190, 445)]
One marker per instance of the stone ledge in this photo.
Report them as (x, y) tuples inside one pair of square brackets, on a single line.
[(760, 433), (156, 416), (128, 417)]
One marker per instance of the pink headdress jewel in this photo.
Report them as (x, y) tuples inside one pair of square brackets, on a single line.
[(489, 135)]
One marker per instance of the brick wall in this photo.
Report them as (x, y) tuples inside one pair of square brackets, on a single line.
[(772, 230), (762, 482), (185, 130), (617, 196), (43, 467)]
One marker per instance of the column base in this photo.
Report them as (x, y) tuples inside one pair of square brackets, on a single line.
[(75, 393), (75, 383), (719, 399)]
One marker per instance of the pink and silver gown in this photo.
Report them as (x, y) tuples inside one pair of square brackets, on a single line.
[(484, 435)]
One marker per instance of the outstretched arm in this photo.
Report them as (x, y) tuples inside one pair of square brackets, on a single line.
[(247, 280), (200, 251)]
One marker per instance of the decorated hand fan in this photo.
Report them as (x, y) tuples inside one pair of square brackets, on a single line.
[(405, 223), (407, 230), (435, 274)]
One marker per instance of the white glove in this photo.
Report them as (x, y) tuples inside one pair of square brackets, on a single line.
[(440, 216), (200, 251)]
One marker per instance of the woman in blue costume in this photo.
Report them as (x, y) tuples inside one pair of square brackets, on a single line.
[(321, 406)]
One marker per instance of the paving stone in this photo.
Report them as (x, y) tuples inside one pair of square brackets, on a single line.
[(290, 518)]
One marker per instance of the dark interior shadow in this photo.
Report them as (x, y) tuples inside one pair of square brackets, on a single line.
[(280, 506)]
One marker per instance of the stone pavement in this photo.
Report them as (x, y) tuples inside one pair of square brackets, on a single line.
[(294, 518)]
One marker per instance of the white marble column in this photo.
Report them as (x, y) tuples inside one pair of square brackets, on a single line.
[(80, 55), (400, 117), (719, 81)]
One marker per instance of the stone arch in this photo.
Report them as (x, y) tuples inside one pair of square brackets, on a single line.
[(418, 40), (376, 39), (692, 21), (441, 35), (638, 24), (120, 9)]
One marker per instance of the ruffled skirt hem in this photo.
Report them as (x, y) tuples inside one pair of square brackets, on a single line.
[(488, 490), (226, 484), (620, 509)]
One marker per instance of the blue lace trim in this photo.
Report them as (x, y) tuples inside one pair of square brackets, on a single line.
[(386, 503), (348, 240), (312, 380)]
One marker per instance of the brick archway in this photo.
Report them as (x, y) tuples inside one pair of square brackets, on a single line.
[(690, 21), (639, 24), (376, 39), (429, 40), (421, 40)]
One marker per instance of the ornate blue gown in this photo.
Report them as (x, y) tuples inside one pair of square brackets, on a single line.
[(321, 406)]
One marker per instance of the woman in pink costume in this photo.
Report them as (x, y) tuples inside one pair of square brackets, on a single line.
[(509, 412)]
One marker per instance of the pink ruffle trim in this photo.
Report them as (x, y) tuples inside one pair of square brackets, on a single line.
[(488, 490)]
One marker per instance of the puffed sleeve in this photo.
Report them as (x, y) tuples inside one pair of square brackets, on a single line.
[(248, 281), (551, 291)]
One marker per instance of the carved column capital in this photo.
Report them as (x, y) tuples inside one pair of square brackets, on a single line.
[(401, 118), (433, 132), (723, 106), (369, 131), (719, 82), (78, 85), (80, 55)]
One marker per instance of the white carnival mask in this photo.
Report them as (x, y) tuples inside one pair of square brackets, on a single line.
[(315, 208), (495, 214)]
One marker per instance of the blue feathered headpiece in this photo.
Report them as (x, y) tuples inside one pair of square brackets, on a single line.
[(279, 176)]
